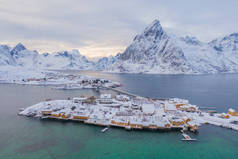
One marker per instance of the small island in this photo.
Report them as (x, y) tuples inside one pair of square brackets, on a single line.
[(132, 112)]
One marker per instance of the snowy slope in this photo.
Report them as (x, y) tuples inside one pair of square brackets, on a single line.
[(106, 62), (154, 51), (205, 58), (24, 57), (5, 56), (65, 60)]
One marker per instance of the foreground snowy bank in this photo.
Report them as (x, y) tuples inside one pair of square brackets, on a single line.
[(132, 113)]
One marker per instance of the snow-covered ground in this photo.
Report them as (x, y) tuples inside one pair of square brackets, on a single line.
[(19, 75), (12, 74)]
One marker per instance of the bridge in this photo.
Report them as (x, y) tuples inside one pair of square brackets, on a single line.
[(123, 92)]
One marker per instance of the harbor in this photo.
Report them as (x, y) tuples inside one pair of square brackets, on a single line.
[(67, 137)]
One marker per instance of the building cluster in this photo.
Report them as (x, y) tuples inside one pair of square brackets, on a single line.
[(68, 81), (231, 112), (126, 112)]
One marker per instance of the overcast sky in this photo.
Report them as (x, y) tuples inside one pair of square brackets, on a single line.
[(105, 27)]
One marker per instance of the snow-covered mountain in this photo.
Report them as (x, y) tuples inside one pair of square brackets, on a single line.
[(155, 51), (24, 57), (65, 60), (5, 56), (152, 51), (105, 62), (21, 56)]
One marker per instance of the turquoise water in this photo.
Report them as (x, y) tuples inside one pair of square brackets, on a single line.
[(28, 138)]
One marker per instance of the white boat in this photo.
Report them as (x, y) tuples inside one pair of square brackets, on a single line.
[(105, 129), (187, 138), (128, 127)]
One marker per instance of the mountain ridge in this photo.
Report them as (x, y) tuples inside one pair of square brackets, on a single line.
[(152, 51), (21, 56), (155, 51)]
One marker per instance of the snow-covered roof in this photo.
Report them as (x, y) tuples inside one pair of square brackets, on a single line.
[(80, 98), (178, 100), (148, 108), (120, 97), (231, 110), (105, 96), (169, 106)]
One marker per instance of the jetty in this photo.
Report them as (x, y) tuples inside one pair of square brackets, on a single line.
[(187, 138), (104, 130)]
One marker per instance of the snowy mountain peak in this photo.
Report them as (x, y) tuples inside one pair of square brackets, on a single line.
[(154, 26), (152, 51), (45, 54), (68, 53), (153, 32), (5, 47), (231, 37), (234, 35), (63, 54), (5, 56), (18, 48), (190, 40), (228, 43), (105, 62)]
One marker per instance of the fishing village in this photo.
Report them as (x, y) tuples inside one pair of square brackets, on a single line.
[(132, 112)]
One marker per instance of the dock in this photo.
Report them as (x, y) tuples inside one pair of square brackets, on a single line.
[(207, 107)]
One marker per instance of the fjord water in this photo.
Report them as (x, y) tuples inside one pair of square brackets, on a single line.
[(29, 138)]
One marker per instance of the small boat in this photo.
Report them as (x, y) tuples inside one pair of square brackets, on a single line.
[(21, 109), (187, 138), (128, 127), (105, 129)]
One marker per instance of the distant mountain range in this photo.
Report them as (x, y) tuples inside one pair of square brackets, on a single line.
[(152, 51), (20, 56)]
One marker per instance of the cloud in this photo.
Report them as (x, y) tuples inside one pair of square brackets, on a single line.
[(105, 27)]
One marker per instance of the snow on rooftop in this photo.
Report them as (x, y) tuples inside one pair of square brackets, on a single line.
[(178, 100), (170, 107), (121, 97), (79, 98), (105, 96), (148, 108), (231, 110)]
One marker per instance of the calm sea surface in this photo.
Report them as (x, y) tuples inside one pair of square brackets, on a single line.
[(29, 138)]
